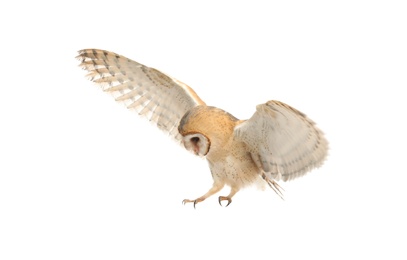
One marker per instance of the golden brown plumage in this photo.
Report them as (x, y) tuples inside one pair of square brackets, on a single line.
[(277, 143)]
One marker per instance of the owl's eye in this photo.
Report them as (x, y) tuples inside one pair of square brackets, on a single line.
[(194, 140)]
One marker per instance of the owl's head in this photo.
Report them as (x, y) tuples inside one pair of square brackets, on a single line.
[(205, 129)]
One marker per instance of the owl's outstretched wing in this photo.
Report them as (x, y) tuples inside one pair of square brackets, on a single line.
[(162, 99), (283, 142)]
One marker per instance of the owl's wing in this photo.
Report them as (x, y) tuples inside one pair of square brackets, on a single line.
[(283, 142), (162, 99)]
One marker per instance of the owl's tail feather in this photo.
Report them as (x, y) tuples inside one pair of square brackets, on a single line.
[(274, 186)]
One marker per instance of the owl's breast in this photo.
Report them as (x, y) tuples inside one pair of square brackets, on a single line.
[(234, 168)]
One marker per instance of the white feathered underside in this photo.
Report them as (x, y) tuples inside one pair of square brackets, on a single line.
[(162, 99), (283, 142)]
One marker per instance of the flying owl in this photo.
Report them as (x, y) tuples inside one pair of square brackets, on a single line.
[(277, 143)]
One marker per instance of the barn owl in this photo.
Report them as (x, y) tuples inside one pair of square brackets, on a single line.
[(277, 143)]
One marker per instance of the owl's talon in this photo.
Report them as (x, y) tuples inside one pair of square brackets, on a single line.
[(224, 198), (194, 201)]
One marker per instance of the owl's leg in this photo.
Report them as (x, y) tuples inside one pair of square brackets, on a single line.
[(215, 188), (233, 191)]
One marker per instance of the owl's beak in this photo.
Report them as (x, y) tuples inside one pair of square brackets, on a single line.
[(196, 149)]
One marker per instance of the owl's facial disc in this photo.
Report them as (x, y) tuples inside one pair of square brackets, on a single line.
[(197, 143)]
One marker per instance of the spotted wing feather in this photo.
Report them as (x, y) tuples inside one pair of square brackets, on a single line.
[(162, 99), (283, 142)]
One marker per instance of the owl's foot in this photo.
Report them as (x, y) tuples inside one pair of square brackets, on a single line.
[(224, 198), (194, 201), (215, 188)]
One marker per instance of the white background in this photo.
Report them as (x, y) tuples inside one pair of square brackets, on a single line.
[(82, 178)]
